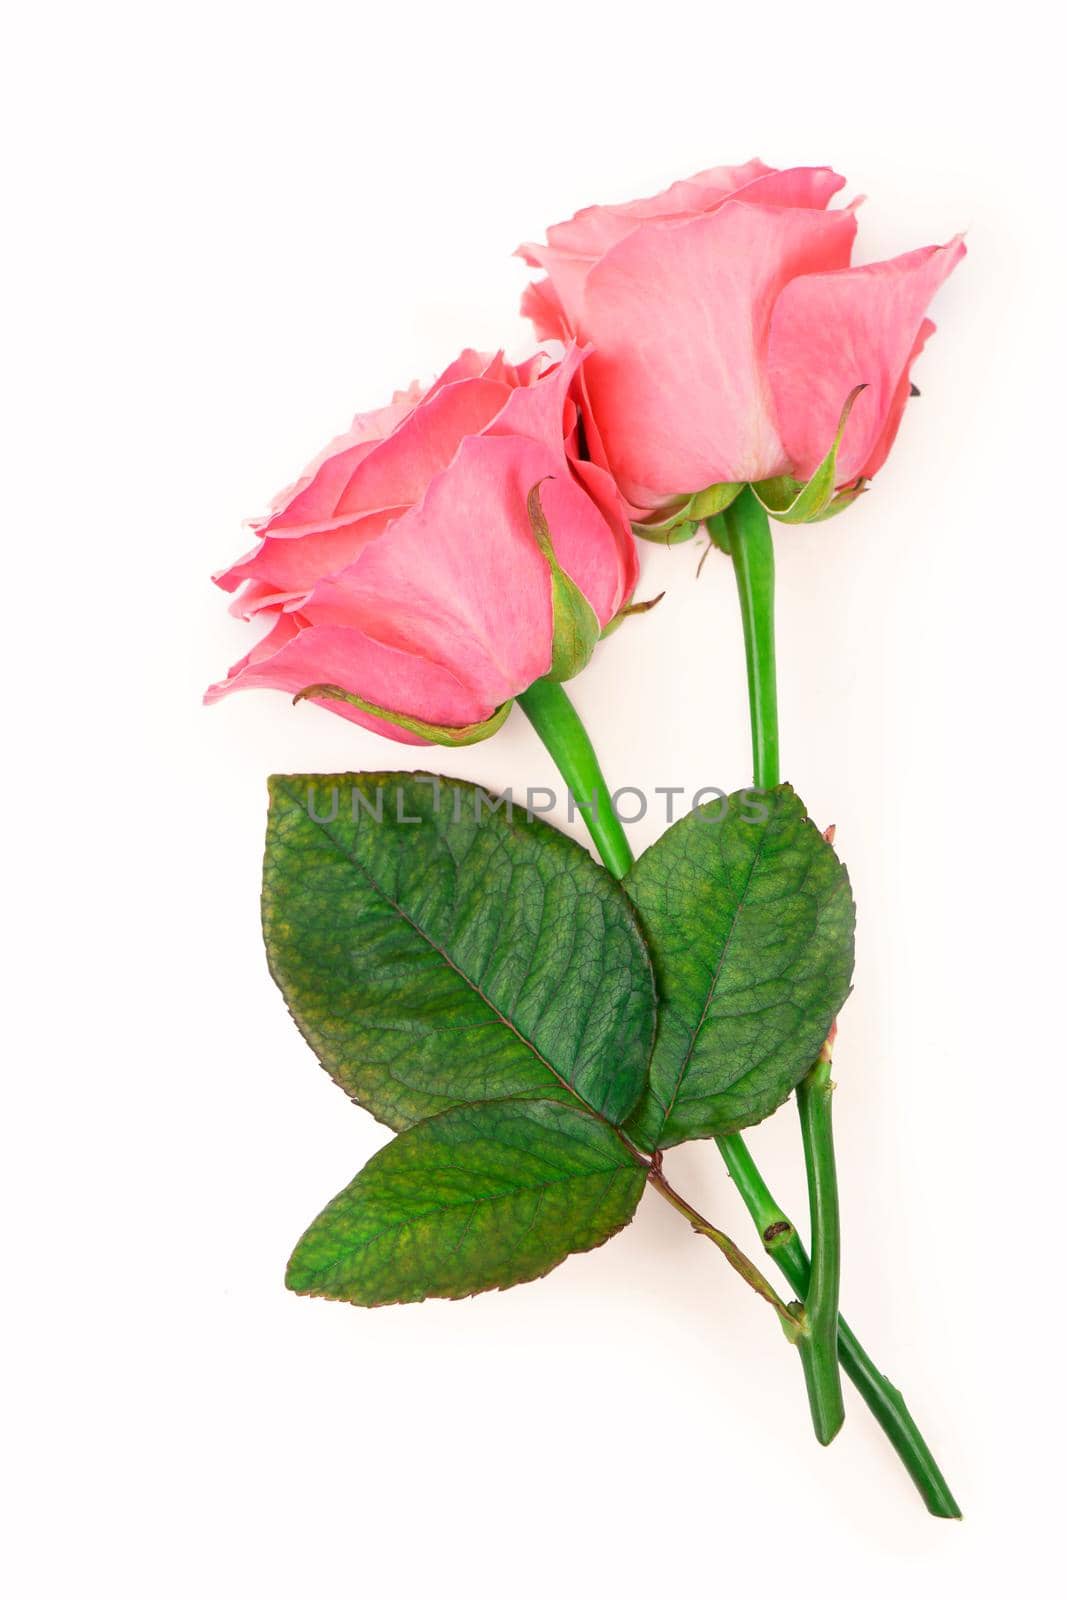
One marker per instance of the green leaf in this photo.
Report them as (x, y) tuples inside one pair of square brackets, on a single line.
[(435, 951), (791, 501), (750, 921), (480, 1197)]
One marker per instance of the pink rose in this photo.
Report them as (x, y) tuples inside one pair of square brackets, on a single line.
[(728, 331), (406, 572)]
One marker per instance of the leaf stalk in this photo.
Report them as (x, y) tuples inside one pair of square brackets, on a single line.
[(792, 1317)]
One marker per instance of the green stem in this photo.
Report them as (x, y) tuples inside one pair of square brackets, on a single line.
[(562, 731), (885, 1401), (563, 735), (819, 1351), (752, 552)]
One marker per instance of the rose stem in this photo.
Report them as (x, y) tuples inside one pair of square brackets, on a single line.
[(752, 552), (886, 1403), (814, 1093), (563, 735), (566, 740), (753, 556)]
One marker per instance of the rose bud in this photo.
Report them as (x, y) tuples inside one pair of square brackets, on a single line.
[(439, 558), (733, 343)]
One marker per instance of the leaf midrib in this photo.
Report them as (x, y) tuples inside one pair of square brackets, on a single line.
[(497, 1014), (683, 1066), (474, 1201)]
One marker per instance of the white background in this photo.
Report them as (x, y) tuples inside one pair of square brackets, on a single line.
[(229, 227)]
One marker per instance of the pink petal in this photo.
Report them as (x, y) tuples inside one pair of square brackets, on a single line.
[(529, 371), (810, 187), (294, 655), (593, 575), (833, 330), (596, 228), (314, 494), (472, 364), (312, 500), (567, 274), (678, 315), (328, 518), (542, 304), (398, 471), (459, 579), (297, 563), (895, 417), (573, 247), (538, 411)]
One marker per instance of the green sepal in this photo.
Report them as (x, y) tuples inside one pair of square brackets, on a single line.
[(637, 608), (435, 732), (789, 500), (480, 1197), (842, 501), (713, 501), (683, 522), (675, 528), (719, 533), (575, 625)]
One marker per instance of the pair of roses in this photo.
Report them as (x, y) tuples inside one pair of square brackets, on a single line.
[(538, 1031), (713, 336)]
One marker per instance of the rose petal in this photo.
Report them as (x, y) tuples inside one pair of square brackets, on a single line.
[(833, 330), (542, 304), (537, 412), (810, 187), (595, 229), (398, 471), (895, 417), (678, 316), (591, 569), (295, 655), (459, 579), (297, 563)]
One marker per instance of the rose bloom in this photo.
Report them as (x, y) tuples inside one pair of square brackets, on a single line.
[(403, 568), (729, 330)]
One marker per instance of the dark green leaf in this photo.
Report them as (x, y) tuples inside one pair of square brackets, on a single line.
[(750, 921), (435, 951), (480, 1197)]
